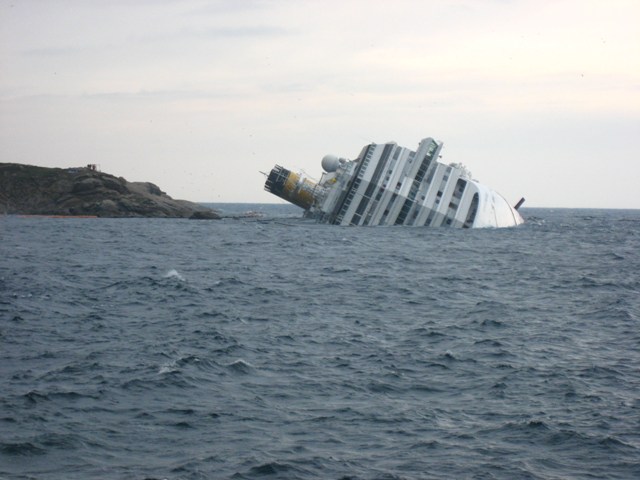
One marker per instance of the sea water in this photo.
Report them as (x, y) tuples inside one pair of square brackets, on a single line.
[(276, 347)]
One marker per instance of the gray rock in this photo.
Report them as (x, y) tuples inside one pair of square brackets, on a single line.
[(205, 215), (31, 190)]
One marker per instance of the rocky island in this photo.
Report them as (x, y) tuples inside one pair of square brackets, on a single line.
[(82, 191)]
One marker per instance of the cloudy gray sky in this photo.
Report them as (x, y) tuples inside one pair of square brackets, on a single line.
[(537, 98)]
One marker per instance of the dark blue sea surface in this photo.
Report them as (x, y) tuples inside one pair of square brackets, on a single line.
[(277, 348)]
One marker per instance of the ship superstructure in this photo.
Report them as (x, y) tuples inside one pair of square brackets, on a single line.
[(392, 185)]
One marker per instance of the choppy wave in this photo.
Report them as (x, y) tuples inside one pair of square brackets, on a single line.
[(246, 348)]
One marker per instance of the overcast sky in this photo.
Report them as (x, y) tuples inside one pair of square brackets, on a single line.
[(537, 98)]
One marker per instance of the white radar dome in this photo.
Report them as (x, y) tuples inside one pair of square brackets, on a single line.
[(330, 163)]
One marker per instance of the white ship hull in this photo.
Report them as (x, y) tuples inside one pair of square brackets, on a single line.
[(392, 185)]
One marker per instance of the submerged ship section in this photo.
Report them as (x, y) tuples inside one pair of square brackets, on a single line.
[(392, 185)]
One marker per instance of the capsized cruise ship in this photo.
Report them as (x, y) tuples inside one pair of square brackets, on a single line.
[(392, 185)]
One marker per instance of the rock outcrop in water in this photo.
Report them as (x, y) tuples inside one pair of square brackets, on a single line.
[(31, 190)]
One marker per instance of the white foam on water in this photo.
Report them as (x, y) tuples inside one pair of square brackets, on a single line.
[(173, 273), (168, 367)]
